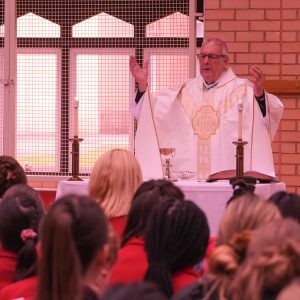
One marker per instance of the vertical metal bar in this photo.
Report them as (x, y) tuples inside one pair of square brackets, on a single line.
[(10, 57), (192, 38)]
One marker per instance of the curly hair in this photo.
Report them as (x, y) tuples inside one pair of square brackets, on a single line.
[(11, 173)]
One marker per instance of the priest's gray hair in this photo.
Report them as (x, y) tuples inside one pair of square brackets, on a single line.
[(218, 42)]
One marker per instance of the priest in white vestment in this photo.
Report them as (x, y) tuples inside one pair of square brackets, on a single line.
[(200, 119)]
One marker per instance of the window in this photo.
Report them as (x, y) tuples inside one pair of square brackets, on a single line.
[(79, 51)]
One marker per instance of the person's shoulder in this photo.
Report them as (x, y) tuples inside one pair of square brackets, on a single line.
[(193, 291), (197, 290), (231, 75)]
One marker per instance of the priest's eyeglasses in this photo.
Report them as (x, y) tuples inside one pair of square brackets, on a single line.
[(210, 56)]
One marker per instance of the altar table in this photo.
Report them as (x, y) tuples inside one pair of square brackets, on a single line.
[(211, 197)]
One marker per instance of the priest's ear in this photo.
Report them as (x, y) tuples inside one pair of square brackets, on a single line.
[(226, 59)]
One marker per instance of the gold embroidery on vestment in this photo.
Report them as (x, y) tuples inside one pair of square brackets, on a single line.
[(205, 122)]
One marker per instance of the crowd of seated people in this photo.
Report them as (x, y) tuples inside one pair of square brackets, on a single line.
[(130, 239)]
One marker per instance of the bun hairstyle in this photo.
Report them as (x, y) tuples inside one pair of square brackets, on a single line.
[(272, 261), (225, 259)]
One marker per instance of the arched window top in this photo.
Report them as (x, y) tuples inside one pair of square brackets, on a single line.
[(103, 25), (33, 26), (174, 25)]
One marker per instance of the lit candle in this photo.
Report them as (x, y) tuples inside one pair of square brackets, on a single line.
[(76, 105), (240, 122)]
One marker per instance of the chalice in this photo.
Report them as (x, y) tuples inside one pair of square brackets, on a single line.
[(167, 154)]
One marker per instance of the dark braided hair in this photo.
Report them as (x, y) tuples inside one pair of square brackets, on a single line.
[(21, 209), (145, 198), (176, 237), (11, 173)]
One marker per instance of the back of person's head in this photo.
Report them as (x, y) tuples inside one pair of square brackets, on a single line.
[(73, 233), (291, 291), (272, 261), (216, 41), (176, 238), (146, 197), (246, 212), (287, 203), (133, 291), (115, 178), (241, 188), (21, 210), (11, 173)]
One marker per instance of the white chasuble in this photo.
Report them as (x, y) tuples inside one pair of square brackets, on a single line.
[(202, 124)]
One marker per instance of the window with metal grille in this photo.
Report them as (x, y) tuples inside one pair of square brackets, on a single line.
[(70, 51)]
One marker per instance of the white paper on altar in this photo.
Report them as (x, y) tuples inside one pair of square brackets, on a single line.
[(146, 145)]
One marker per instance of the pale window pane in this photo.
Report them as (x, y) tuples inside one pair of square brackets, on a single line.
[(31, 25), (174, 25), (168, 68), (103, 89), (103, 25), (37, 143)]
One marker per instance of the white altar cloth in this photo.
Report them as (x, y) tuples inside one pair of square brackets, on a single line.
[(211, 197)]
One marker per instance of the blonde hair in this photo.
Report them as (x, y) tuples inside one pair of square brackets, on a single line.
[(291, 291), (115, 178), (246, 212), (243, 215), (272, 261)]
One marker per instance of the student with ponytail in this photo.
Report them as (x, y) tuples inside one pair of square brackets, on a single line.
[(21, 210), (74, 235)]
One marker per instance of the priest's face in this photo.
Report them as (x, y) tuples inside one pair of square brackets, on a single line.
[(213, 62)]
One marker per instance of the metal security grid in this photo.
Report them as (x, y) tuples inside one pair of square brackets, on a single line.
[(79, 50)]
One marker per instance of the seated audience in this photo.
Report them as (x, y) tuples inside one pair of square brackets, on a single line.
[(291, 291), (21, 210), (176, 239), (287, 203), (133, 291), (272, 262), (74, 235), (115, 178), (11, 173), (240, 218), (112, 255), (241, 188), (132, 255)]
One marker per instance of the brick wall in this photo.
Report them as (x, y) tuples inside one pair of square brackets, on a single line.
[(266, 33)]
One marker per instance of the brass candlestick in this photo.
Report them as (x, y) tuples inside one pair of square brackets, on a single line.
[(239, 158), (75, 158), (240, 177)]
